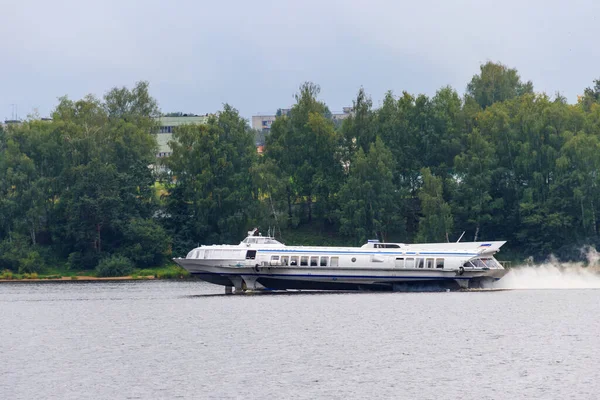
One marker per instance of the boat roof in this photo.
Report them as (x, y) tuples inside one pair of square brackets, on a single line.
[(479, 248)]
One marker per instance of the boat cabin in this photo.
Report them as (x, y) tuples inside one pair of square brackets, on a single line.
[(260, 240)]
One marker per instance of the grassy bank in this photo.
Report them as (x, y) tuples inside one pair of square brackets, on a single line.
[(171, 271)]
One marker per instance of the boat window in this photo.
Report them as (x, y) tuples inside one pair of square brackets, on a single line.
[(493, 263), (420, 263), (285, 260), (429, 262), (334, 261), (274, 258), (323, 261), (386, 246), (410, 263), (294, 260), (304, 261), (314, 261), (399, 262), (439, 263), (478, 263)]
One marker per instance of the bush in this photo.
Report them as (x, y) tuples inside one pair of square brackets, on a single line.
[(74, 261), (168, 272), (31, 263), (146, 243), (172, 272), (114, 266), (6, 274), (18, 255)]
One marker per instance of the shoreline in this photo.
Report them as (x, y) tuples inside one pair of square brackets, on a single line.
[(82, 278), (65, 275)]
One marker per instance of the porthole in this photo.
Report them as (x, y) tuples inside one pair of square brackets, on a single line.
[(353, 259)]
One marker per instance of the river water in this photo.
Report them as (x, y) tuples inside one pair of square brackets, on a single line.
[(184, 339)]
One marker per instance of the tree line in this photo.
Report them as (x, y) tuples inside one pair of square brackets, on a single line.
[(500, 162)]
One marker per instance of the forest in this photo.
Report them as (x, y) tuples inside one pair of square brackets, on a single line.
[(85, 190)]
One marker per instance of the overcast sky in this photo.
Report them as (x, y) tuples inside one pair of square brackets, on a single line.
[(254, 54)]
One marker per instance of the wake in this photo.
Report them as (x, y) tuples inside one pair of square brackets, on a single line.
[(555, 275)]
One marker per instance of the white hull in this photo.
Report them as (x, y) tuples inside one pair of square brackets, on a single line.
[(278, 277)]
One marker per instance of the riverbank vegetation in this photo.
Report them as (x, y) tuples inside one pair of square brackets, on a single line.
[(168, 271), (84, 191)]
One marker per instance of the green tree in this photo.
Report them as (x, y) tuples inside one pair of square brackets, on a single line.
[(473, 203), (212, 197), (436, 222), (496, 82), (305, 148), (369, 200), (590, 96), (145, 243), (104, 179), (357, 130), (578, 165), (443, 142)]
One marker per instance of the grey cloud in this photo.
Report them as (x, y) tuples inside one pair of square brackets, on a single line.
[(253, 55)]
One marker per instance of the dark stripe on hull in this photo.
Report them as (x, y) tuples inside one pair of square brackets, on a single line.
[(215, 279), (425, 285), (283, 284)]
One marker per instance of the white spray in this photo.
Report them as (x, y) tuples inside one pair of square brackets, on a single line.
[(555, 275)]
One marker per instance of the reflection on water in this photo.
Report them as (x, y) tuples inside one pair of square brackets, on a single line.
[(157, 339)]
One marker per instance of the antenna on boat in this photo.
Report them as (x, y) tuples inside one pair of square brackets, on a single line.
[(463, 234)]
